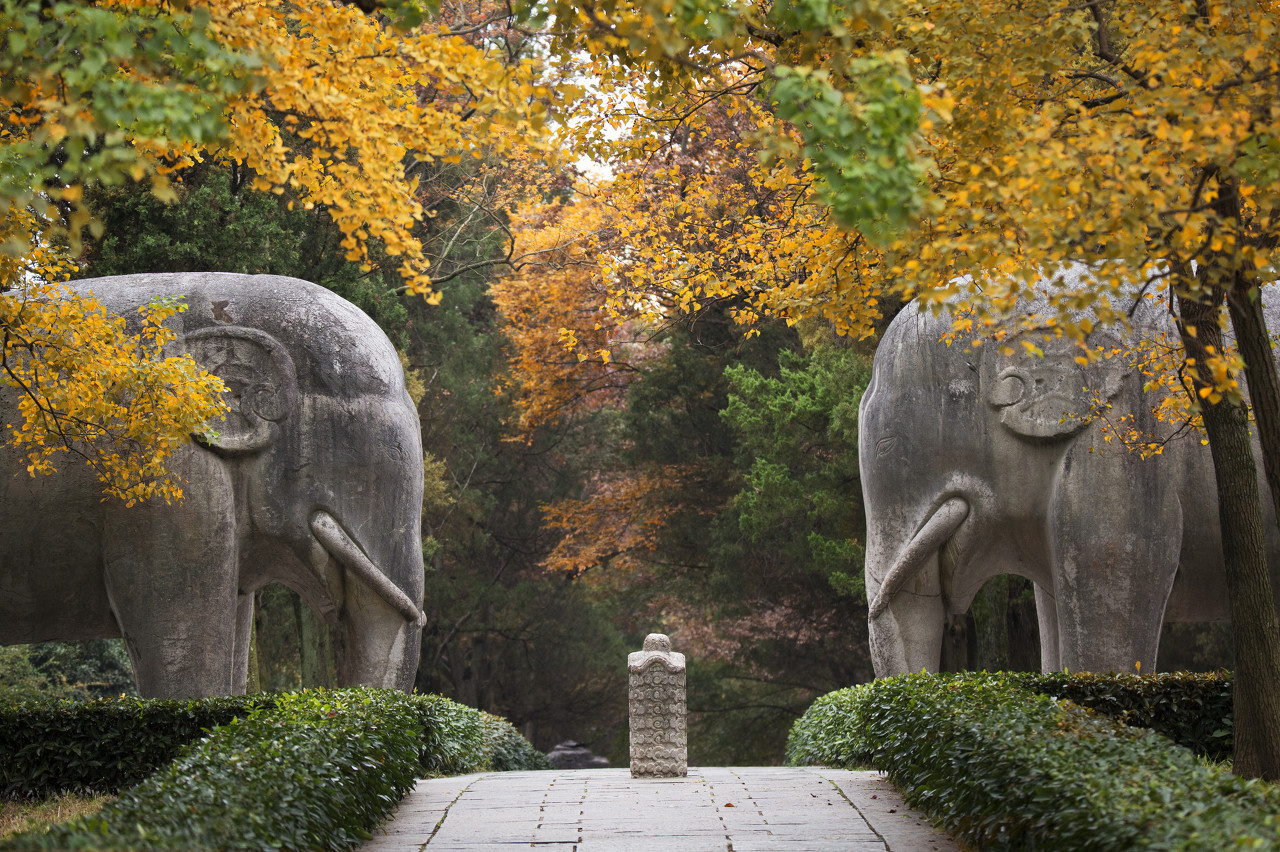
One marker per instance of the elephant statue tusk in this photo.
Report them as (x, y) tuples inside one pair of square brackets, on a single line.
[(944, 521), (340, 545)]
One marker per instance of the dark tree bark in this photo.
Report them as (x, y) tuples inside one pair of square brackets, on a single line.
[(1244, 301), (254, 683), (315, 647), (1255, 627), (1250, 325), (991, 622)]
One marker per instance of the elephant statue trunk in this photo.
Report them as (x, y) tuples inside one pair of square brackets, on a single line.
[(376, 643), (907, 600)]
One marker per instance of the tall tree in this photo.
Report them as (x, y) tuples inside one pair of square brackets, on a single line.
[(503, 634), (678, 519)]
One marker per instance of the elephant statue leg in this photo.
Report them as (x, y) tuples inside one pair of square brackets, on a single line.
[(371, 639), (244, 634), (1115, 533), (172, 585), (1047, 617), (916, 613)]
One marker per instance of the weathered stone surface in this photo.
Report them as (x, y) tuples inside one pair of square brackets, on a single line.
[(657, 702), (987, 455), (571, 755), (767, 808), (314, 480)]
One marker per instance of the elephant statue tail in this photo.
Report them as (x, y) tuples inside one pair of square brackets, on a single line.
[(928, 540)]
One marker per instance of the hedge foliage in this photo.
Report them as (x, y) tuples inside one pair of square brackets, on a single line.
[(453, 738), (462, 739), (506, 749), (308, 770), (830, 732), (1006, 768), (316, 772), (1194, 710), (103, 746)]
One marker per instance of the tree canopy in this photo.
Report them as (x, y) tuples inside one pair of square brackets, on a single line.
[(338, 108), (1139, 137), (320, 99)]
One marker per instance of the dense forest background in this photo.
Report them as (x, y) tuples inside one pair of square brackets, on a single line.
[(703, 483)]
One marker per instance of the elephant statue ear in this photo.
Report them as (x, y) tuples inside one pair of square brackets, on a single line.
[(1050, 396), (262, 384)]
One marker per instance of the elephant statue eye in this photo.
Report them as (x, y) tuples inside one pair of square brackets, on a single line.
[(887, 445), (1010, 386)]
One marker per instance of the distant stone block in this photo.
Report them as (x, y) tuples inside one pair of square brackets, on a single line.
[(656, 695), (571, 755)]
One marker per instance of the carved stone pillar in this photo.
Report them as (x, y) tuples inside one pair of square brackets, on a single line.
[(659, 736)]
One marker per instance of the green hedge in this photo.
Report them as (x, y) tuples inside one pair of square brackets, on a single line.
[(506, 749), (453, 736), (296, 771), (317, 772), (1193, 710), (105, 746), (1007, 768), (829, 733), (102, 746), (461, 739)]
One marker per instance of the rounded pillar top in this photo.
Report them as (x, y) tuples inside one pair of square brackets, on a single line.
[(657, 651), (660, 642)]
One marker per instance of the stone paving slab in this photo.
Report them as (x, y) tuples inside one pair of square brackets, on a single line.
[(743, 809)]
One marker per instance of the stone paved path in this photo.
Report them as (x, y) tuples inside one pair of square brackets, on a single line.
[(749, 809)]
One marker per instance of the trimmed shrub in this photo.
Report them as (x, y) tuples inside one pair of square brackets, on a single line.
[(1006, 768), (306, 770), (317, 772), (103, 746), (824, 736), (1194, 710), (462, 739), (506, 749), (453, 741)]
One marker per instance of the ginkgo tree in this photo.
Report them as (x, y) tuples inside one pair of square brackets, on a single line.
[(335, 104), (960, 152), (87, 387)]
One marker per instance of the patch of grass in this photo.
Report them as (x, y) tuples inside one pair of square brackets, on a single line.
[(23, 816)]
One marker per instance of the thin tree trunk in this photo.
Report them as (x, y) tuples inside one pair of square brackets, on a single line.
[(1244, 302), (1253, 615), (315, 654), (1250, 325), (253, 683), (990, 610)]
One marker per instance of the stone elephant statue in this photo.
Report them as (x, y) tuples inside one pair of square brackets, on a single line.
[(313, 480), (977, 463)]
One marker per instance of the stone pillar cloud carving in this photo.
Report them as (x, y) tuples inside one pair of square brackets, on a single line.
[(656, 695)]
